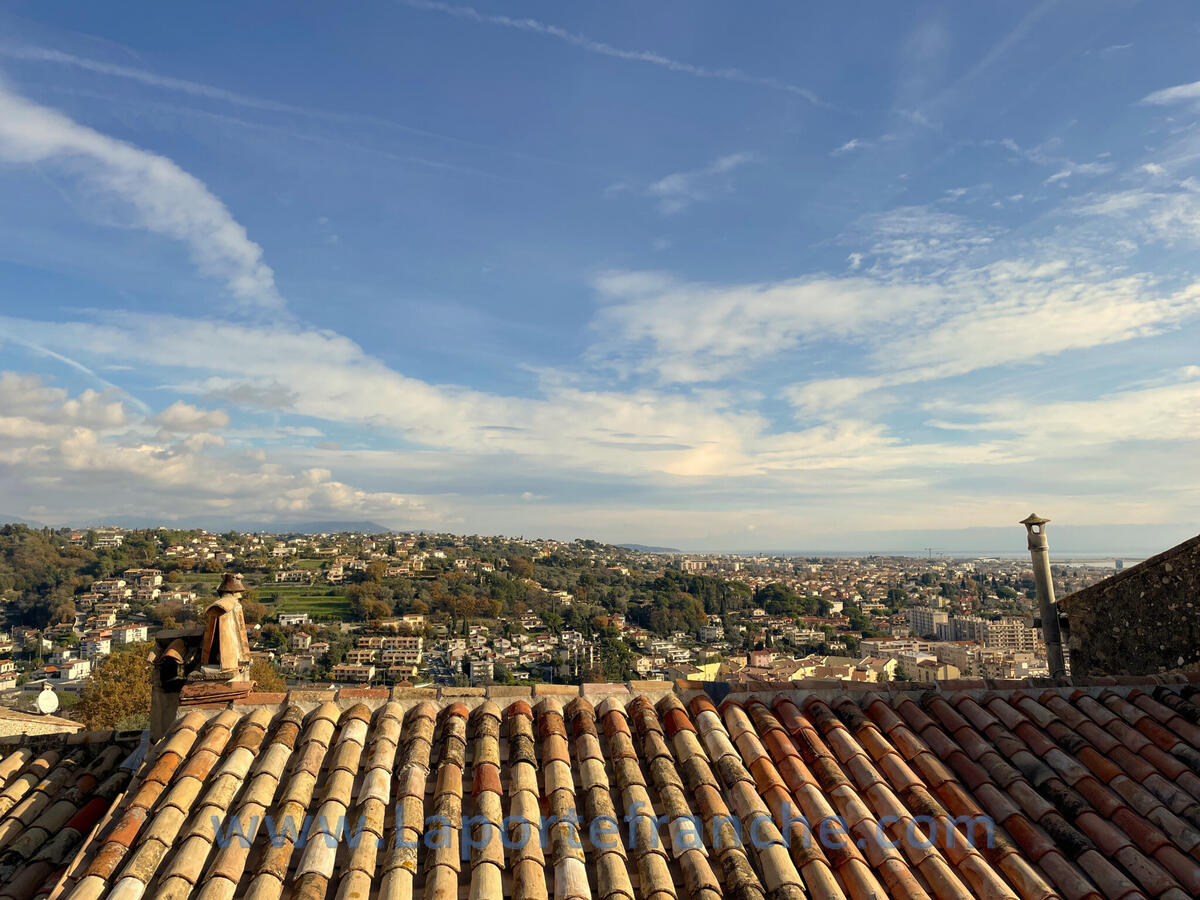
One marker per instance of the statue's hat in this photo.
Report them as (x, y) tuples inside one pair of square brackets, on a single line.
[(231, 585)]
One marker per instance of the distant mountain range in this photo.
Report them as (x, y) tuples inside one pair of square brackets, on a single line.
[(644, 548), (17, 520), (218, 525)]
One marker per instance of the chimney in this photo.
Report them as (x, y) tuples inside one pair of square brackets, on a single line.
[(1039, 551)]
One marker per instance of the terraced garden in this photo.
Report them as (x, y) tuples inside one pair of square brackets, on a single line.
[(316, 600)]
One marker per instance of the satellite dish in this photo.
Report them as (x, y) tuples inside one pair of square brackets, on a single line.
[(47, 701)]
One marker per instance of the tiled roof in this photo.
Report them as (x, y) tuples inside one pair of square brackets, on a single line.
[(1094, 792), (53, 790)]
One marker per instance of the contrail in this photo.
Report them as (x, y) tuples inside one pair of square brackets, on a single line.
[(234, 98), (142, 407), (584, 42)]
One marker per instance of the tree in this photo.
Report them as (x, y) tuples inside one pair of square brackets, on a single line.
[(118, 693), (265, 677), (253, 611), (370, 600)]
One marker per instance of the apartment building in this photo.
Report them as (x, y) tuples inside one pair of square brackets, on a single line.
[(352, 672), (923, 620)]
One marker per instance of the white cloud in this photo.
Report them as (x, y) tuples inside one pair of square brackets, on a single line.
[(332, 379), (1049, 154), (728, 328), (154, 192), (1071, 169), (1170, 216), (28, 397), (1162, 413), (110, 467), (1002, 315), (679, 190), (848, 147), (183, 417), (920, 236), (1180, 93)]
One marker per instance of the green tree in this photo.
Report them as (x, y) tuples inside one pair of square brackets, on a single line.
[(263, 674), (118, 693)]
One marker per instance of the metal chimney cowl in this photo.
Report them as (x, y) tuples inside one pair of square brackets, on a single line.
[(1039, 552)]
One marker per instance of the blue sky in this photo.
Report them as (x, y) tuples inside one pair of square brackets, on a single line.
[(696, 274)]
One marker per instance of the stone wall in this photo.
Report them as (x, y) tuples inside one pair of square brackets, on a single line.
[(1142, 621)]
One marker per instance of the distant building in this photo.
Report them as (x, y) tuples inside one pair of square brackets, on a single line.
[(288, 619), (130, 634), (480, 670), (922, 620), (93, 647), (109, 540), (351, 672), (929, 670), (70, 670)]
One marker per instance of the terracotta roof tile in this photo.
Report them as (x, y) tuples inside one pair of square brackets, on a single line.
[(1090, 794)]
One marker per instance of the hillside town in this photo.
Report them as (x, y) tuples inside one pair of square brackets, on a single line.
[(440, 609)]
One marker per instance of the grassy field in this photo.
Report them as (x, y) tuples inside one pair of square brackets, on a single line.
[(313, 599), (308, 565), (304, 598)]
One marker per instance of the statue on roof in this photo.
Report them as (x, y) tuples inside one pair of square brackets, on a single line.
[(225, 652)]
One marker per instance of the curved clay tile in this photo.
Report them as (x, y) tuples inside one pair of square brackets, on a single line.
[(566, 844), (1024, 822), (487, 847), (163, 831), (611, 861), (890, 784), (737, 876), (1177, 704), (527, 860), (1168, 717), (1120, 742), (400, 865), (1115, 843), (686, 837), (1002, 852), (14, 763), (1130, 775), (816, 794), (44, 793), (290, 808), (1161, 735), (29, 779), (369, 817), (442, 858), (1008, 780), (780, 876), (33, 856), (316, 866), (650, 860), (1138, 743), (182, 873), (1147, 835), (122, 835)]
